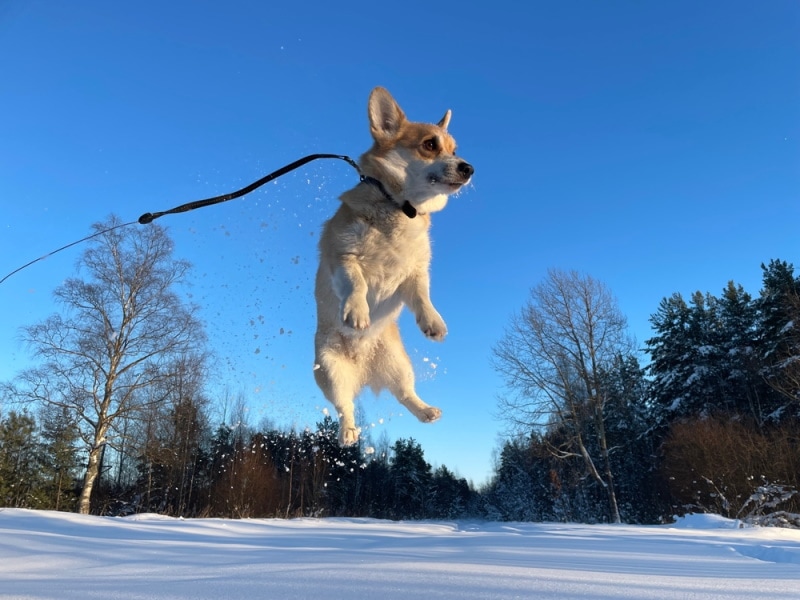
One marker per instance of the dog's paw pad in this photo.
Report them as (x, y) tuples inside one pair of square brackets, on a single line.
[(355, 313), (348, 436), (433, 327), (435, 334), (430, 414)]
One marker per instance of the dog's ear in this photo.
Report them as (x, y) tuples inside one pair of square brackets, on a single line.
[(385, 115), (445, 119)]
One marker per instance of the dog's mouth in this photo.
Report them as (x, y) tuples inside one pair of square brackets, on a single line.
[(453, 185), (453, 178)]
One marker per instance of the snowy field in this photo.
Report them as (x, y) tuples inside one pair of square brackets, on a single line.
[(64, 556)]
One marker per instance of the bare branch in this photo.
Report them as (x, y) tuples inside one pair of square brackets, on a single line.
[(553, 356), (114, 350)]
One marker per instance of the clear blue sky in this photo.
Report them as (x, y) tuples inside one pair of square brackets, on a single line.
[(652, 145)]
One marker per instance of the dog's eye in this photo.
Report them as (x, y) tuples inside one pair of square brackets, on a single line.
[(431, 144)]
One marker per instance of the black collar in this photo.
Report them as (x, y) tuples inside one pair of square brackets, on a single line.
[(406, 207)]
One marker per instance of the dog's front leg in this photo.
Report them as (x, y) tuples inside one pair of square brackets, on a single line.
[(416, 293), (351, 288)]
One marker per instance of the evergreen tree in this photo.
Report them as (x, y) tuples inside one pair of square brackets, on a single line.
[(452, 496), (685, 357), (60, 458), (512, 494), (713, 356), (375, 491), (338, 471), (20, 474), (705, 385), (744, 388), (410, 480), (779, 348), (668, 368)]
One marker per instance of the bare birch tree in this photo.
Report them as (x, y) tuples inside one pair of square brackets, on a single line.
[(553, 356), (116, 341)]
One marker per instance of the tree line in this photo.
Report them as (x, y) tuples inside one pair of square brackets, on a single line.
[(184, 468), (710, 424), (115, 417)]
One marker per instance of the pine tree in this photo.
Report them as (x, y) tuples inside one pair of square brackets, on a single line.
[(779, 347), (511, 495), (338, 471), (60, 458), (685, 357), (20, 474), (452, 496), (410, 479), (375, 492), (744, 388), (667, 349)]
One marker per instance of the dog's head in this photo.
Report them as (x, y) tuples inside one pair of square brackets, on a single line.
[(415, 161)]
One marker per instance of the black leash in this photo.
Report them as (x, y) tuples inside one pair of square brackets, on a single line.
[(146, 218), (88, 237), (149, 217)]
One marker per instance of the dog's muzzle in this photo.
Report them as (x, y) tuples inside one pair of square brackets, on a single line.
[(462, 174)]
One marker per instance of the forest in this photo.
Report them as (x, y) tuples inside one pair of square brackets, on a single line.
[(115, 417)]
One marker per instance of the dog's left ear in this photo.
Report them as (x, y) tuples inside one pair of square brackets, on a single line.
[(385, 115), (445, 119)]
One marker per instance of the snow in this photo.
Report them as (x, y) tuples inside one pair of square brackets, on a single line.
[(46, 554)]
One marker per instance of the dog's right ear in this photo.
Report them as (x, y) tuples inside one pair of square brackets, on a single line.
[(385, 115)]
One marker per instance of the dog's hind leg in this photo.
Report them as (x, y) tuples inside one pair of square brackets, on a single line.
[(340, 380), (391, 369)]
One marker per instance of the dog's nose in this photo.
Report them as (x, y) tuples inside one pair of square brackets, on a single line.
[(465, 170)]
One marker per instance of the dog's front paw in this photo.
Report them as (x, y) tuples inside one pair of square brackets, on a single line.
[(355, 313), (348, 436), (429, 414), (433, 326)]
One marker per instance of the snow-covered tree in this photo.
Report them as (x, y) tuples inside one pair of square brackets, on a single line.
[(411, 478), (513, 494), (779, 312)]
